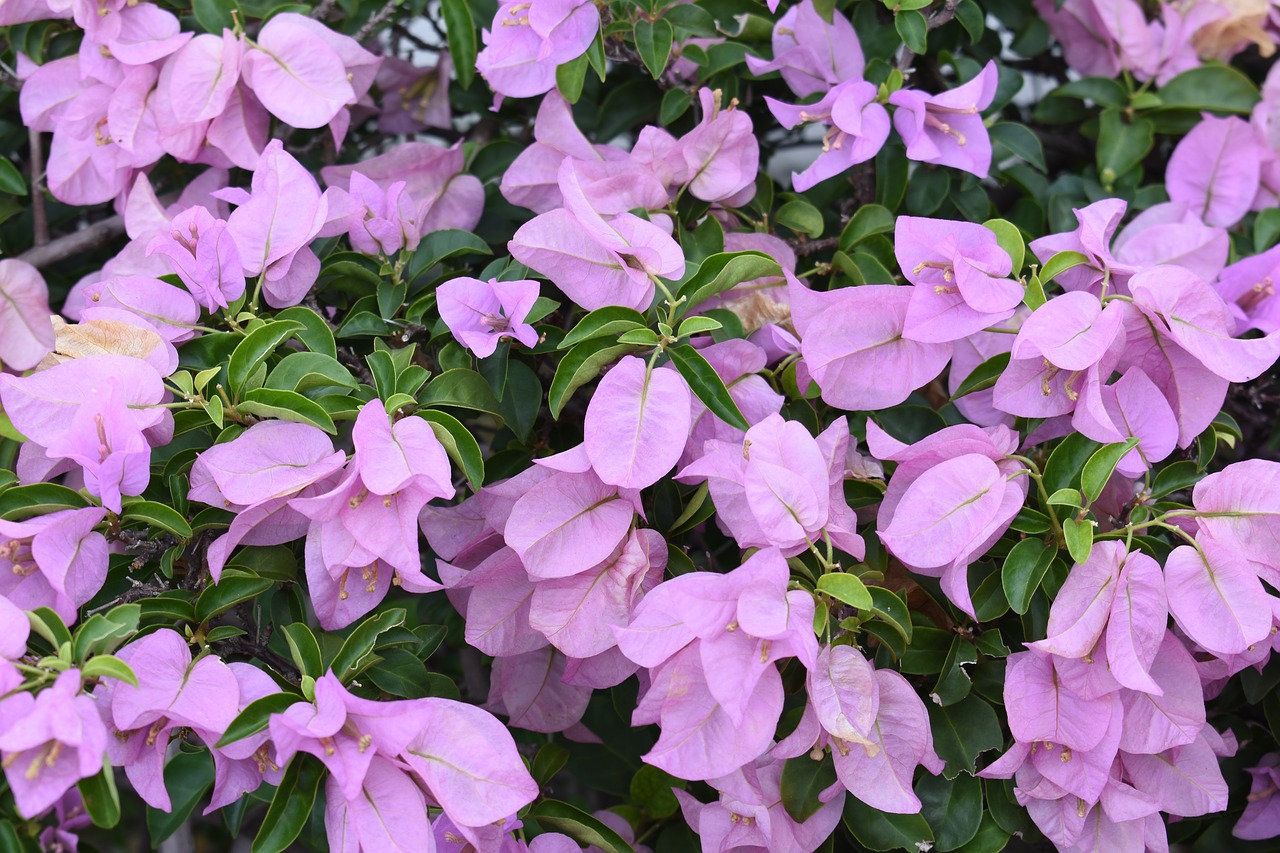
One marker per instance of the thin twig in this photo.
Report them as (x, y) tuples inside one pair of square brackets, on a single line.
[(322, 11), (68, 246), (937, 19), (38, 212), (376, 21)]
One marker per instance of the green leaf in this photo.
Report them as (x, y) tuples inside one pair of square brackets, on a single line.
[(1034, 296), (847, 588), (549, 761), (653, 43), (609, 321), (252, 352), (1103, 91), (286, 406), (227, 593), (1175, 478), (101, 799), (103, 633), (720, 272), (877, 830), (953, 681), (459, 443), (698, 325), (801, 217), (291, 806), (870, 219), (10, 179), (675, 102), (315, 332), (803, 779), (1097, 471), (214, 16), (972, 18), (650, 789), (963, 731), (1066, 497), (461, 388), (1216, 88), (21, 502), (109, 666), (707, 384), (984, 376), (187, 777), (1122, 145), (1079, 536), (400, 673), (1019, 141), (952, 807), (913, 29), (694, 20), (357, 649), (461, 30), (1024, 570), (1010, 239), (441, 245), (570, 77), (310, 371), (49, 625), (578, 825), (255, 717), (159, 516), (304, 649), (1062, 471), (891, 609), (1266, 229), (990, 838), (579, 366)]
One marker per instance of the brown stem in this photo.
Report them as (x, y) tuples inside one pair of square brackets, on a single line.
[(939, 17), (77, 242), (376, 21), (38, 212)]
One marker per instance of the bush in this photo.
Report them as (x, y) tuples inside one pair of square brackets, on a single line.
[(722, 425)]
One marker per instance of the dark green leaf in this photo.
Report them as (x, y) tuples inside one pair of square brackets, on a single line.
[(610, 321), (707, 384), (1062, 471), (186, 777), (159, 516), (1098, 469), (286, 406), (953, 681), (963, 731), (1019, 141), (255, 717), (871, 219), (1175, 478), (1023, 571), (1122, 144), (651, 790), (460, 444), (984, 376), (549, 761), (227, 593), (461, 31), (718, 273), (441, 245), (578, 825), (1104, 91), (570, 77), (877, 830), (653, 43), (10, 179), (579, 366), (291, 806), (103, 633), (49, 625), (991, 838), (101, 798), (801, 217), (1216, 88), (803, 779), (461, 388), (913, 29), (304, 649), (21, 502), (952, 807), (252, 352), (358, 647)]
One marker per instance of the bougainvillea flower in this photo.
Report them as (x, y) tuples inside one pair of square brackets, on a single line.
[(296, 75), (859, 128), (750, 813), (377, 221), (204, 255), (443, 197), (637, 423), (947, 129), (1216, 169), (1216, 598), (170, 310), (960, 275), (242, 766), (415, 97), (529, 40), (55, 560), (812, 54), (531, 691), (56, 743), (1238, 507), (1261, 818), (1249, 288), (853, 345), (721, 154), (481, 313), (26, 335), (387, 813)]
